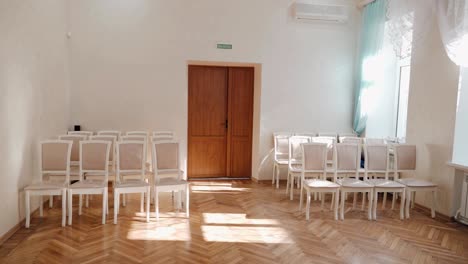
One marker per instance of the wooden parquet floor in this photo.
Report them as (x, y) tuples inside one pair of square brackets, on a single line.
[(236, 222)]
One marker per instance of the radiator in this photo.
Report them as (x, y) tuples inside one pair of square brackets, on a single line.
[(462, 214)]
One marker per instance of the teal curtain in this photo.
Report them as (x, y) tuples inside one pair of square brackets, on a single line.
[(372, 35)]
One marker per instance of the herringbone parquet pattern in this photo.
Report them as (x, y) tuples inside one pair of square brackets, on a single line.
[(239, 222)]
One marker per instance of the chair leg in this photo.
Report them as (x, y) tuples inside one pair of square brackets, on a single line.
[(51, 201), (308, 206), (70, 206), (292, 188), (336, 198), (116, 204), (148, 196), (322, 195), (369, 211), (41, 206), (156, 203), (332, 201), (187, 200), (434, 201), (408, 201), (343, 198), (64, 207), (142, 202), (363, 201), (104, 205), (301, 198), (374, 203), (277, 177), (287, 183), (124, 200), (27, 208), (394, 199), (413, 199), (87, 201), (354, 200), (384, 201), (402, 205), (80, 204), (273, 178)]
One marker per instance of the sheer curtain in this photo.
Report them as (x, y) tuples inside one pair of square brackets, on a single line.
[(372, 35)]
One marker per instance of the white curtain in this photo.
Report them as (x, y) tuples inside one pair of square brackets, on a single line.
[(452, 16)]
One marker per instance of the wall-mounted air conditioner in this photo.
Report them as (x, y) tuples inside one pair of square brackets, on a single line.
[(321, 12)]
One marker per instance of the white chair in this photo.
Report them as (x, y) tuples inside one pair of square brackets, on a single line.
[(164, 133), (352, 134), (314, 161), (405, 162), (137, 133), (94, 158), (161, 138), (377, 160), (306, 134), (139, 137), (351, 140), (81, 133), (166, 163), (113, 140), (295, 161), (130, 160), (55, 159), (280, 158), (333, 135), (348, 161), (115, 133), (75, 156), (330, 141), (374, 141)]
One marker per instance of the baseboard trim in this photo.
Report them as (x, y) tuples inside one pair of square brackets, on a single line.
[(439, 216), (18, 226)]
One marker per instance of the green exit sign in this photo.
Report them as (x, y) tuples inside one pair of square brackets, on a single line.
[(223, 46)]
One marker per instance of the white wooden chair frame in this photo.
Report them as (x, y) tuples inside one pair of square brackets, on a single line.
[(411, 190), (181, 185), (277, 162), (53, 189), (294, 174), (115, 133), (368, 188), (126, 187), (80, 187), (382, 187), (332, 187), (163, 133), (81, 133)]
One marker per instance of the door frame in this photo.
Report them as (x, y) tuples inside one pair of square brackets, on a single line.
[(256, 107)]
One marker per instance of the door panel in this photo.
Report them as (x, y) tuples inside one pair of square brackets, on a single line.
[(241, 83), (207, 114)]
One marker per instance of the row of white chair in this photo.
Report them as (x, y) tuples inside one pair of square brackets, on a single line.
[(118, 134), (347, 158), (94, 162)]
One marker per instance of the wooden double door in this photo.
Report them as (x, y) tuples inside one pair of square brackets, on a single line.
[(220, 117)]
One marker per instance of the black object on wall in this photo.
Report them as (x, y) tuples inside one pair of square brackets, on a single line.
[(77, 128)]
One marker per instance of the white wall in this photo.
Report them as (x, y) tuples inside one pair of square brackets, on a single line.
[(129, 64), (460, 150), (431, 118), (34, 91)]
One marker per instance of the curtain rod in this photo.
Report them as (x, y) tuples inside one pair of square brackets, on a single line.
[(363, 3)]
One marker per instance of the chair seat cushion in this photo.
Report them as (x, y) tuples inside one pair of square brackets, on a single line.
[(382, 183), (170, 181), (282, 161), (129, 184), (314, 183), (295, 167), (354, 183), (88, 184), (46, 186), (411, 182)]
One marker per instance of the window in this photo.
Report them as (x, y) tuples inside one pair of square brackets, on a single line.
[(402, 97)]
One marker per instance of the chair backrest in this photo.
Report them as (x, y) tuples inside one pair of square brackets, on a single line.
[(347, 134), (137, 133), (333, 135), (75, 151), (405, 157), (314, 158), (81, 133), (348, 158), (55, 157), (306, 134), (110, 138), (351, 140), (376, 159), (161, 137), (374, 141), (295, 149), (115, 133), (288, 134), (281, 144), (94, 157), (131, 158), (165, 133), (330, 141), (166, 158)]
